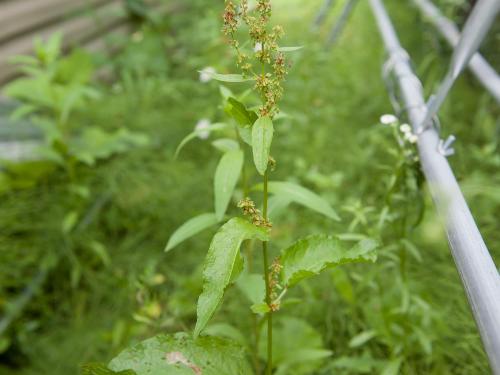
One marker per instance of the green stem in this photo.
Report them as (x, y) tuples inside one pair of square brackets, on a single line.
[(269, 367)]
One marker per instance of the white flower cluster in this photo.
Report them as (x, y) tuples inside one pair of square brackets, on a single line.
[(391, 120), (407, 133), (206, 74), (202, 128)]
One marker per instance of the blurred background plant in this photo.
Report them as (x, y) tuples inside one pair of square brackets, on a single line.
[(88, 209)]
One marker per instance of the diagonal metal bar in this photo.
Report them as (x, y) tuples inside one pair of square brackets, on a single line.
[(322, 13), (339, 24), (478, 65), (475, 29), (477, 270)]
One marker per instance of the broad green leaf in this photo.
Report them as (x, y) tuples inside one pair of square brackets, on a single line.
[(232, 78), (239, 112), (225, 144), (181, 355), (262, 137), (101, 369), (190, 228), (311, 255), (362, 338), (226, 177), (222, 256), (197, 133), (303, 196), (290, 49)]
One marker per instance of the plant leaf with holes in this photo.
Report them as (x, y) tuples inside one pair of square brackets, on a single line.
[(179, 354)]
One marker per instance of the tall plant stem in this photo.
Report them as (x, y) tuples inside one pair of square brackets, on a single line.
[(269, 367)]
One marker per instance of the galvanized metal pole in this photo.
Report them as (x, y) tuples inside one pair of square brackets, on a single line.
[(478, 65), (475, 29), (322, 13), (477, 270), (340, 22)]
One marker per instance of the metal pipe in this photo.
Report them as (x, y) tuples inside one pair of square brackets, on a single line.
[(477, 270), (478, 65), (475, 29), (322, 13), (339, 24)]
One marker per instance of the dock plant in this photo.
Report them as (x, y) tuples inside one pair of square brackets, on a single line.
[(246, 140)]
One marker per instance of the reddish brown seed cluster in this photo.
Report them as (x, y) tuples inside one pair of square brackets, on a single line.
[(265, 54), (274, 273), (248, 207)]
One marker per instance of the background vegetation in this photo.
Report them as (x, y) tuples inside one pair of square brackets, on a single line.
[(86, 227)]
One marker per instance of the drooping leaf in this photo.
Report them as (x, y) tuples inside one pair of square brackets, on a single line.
[(262, 137), (101, 369), (197, 133), (226, 177), (311, 255), (304, 197), (232, 78), (219, 264), (225, 144), (181, 355), (290, 49), (239, 112), (190, 228)]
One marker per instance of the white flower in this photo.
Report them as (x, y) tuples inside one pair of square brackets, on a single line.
[(405, 128), (258, 47), (388, 119), (202, 128), (206, 74), (413, 138)]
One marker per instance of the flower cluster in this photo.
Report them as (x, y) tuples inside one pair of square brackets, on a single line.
[(265, 50), (274, 286), (248, 207)]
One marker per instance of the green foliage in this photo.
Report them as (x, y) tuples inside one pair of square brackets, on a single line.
[(295, 193), (298, 348), (180, 355), (226, 177), (222, 265), (231, 78), (262, 137), (190, 228), (100, 369), (239, 112), (311, 255)]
